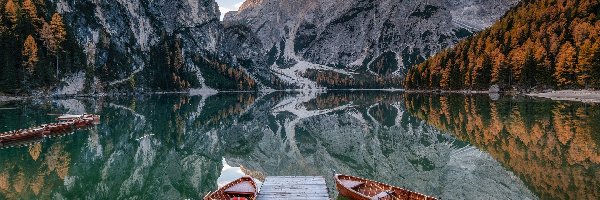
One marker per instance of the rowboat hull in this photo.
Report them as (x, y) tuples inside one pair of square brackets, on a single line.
[(357, 188), (67, 124), (243, 188)]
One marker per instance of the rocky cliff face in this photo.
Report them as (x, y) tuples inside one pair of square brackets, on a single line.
[(357, 35), (119, 36)]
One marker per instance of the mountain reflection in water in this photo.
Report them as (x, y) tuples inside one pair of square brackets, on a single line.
[(174, 147)]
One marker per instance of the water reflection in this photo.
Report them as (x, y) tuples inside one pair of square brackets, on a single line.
[(175, 147), (554, 147)]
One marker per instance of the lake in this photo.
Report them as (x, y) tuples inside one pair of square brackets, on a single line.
[(452, 146)]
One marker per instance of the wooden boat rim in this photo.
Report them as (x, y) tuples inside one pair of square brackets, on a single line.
[(232, 183), (336, 176)]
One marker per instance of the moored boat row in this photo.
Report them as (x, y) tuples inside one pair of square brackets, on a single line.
[(354, 188), (65, 124)]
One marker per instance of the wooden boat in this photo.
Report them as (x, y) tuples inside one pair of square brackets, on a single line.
[(52, 128), (240, 189), (67, 124), (22, 135), (357, 188)]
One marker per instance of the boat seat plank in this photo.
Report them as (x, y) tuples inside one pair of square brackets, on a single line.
[(382, 195), (241, 188), (351, 184)]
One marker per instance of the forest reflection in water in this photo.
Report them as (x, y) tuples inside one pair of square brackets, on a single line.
[(175, 146), (554, 147)]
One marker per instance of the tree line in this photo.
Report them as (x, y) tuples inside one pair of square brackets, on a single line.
[(34, 45), (334, 80), (539, 44)]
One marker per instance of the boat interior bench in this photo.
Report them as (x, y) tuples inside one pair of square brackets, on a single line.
[(351, 184), (243, 188), (383, 195)]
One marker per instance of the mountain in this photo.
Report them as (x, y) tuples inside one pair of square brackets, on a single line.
[(358, 40), (540, 45), (114, 46), (120, 46)]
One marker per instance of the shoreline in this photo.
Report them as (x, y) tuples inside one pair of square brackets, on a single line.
[(451, 91), (585, 96)]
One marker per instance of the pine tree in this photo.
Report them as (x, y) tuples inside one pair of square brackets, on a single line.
[(57, 38), (30, 10), (178, 57), (58, 29), (10, 12), (565, 65), (528, 71), (595, 68), (481, 72), (584, 64), (500, 70), (445, 82), (29, 53), (47, 37), (544, 70)]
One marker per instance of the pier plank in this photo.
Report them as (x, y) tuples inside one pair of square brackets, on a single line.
[(294, 188)]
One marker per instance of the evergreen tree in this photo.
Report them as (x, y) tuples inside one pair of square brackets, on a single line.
[(528, 71), (58, 30), (30, 54), (47, 36), (565, 65), (10, 12), (500, 71), (595, 62), (54, 35), (584, 65), (544, 68), (481, 73), (30, 11)]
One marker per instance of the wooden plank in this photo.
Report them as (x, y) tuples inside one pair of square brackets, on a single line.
[(294, 188)]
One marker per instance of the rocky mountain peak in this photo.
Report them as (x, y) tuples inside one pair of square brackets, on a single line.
[(249, 4), (354, 36)]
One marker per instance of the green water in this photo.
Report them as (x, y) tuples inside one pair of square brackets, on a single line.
[(176, 146)]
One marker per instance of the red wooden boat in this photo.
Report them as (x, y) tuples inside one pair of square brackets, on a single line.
[(357, 188), (240, 189), (67, 124), (22, 135)]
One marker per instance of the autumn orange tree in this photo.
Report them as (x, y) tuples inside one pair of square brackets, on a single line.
[(10, 12), (54, 34), (538, 44), (30, 54), (33, 36)]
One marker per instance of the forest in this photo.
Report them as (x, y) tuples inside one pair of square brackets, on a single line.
[(538, 45), (36, 49)]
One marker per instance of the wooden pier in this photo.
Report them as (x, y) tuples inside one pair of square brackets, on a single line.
[(294, 188)]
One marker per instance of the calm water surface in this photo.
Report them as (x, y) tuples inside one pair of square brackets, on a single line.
[(182, 147)]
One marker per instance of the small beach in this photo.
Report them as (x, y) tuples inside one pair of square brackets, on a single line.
[(586, 96)]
